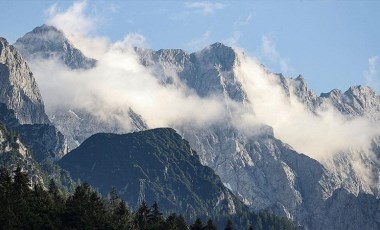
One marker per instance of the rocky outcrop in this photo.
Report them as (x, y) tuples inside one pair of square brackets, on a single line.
[(18, 88), (44, 141), (260, 169), (76, 124), (47, 42), (154, 165), (14, 153)]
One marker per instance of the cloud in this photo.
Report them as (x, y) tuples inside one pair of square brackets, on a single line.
[(270, 52), (120, 82), (72, 20), (234, 39), (199, 42), (294, 123), (204, 7), (76, 24), (370, 75), (243, 21)]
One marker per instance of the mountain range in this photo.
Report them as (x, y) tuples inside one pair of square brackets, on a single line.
[(248, 165)]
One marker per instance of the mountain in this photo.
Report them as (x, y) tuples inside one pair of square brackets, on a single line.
[(14, 153), (260, 169), (33, 147), (48, 42), (18, 87), (153, 165), (44, 141), (207, 72), (79, 124), (76, 124)]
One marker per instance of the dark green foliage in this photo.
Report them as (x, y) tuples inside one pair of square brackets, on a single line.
[(229, 225), (210, 225), (197, 225), (25, 208), (174, 222), (268, 221)]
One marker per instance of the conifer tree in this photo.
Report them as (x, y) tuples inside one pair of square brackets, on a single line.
[(197, 225), (141, 217), (229, 225), (210, 225)]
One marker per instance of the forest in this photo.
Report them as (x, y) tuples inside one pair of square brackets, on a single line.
[(26, 206)]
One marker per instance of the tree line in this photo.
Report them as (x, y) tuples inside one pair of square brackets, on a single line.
[(23, 206)]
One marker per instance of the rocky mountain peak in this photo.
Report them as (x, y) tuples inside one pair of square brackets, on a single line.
[(48, 42), (217, 54), (361, 90), (332, 93), (3, 42)]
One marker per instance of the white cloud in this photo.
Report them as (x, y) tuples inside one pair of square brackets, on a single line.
[(318, 135), (76, 24), (72, 20), (243, 21), (268, 48), (270, 53), (199, 42), (204, 7), (234, 39), (119, 81), (370, 75)]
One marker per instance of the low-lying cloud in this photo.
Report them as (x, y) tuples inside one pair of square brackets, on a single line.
[(316, 135), (120, 82)]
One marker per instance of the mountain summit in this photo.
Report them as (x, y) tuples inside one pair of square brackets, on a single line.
[(49, 42)]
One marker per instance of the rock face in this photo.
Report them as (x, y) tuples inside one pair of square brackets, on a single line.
[(47, 42), (18, 87), (208, 72), (154, 165), (260, 169), (44, 141), (14, 153), (76, 124), (356, 101)]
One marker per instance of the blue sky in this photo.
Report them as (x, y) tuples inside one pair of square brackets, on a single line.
[(333, 44)]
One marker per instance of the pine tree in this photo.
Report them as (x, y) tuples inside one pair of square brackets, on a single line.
[(53, 188), (141, 217), (121, 217), (84, 209), (21, 182), (229, 225), (19, 198), (155, 213), (114, 198), (6, 213), (210, 225), (197, 225), (174, 222), (155, 219)]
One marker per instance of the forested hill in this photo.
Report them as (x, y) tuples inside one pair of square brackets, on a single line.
[(25, 208)]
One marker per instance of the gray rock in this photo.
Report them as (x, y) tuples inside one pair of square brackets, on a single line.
[(48, 42), (18, 88), (261, 170), (44, 141)]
